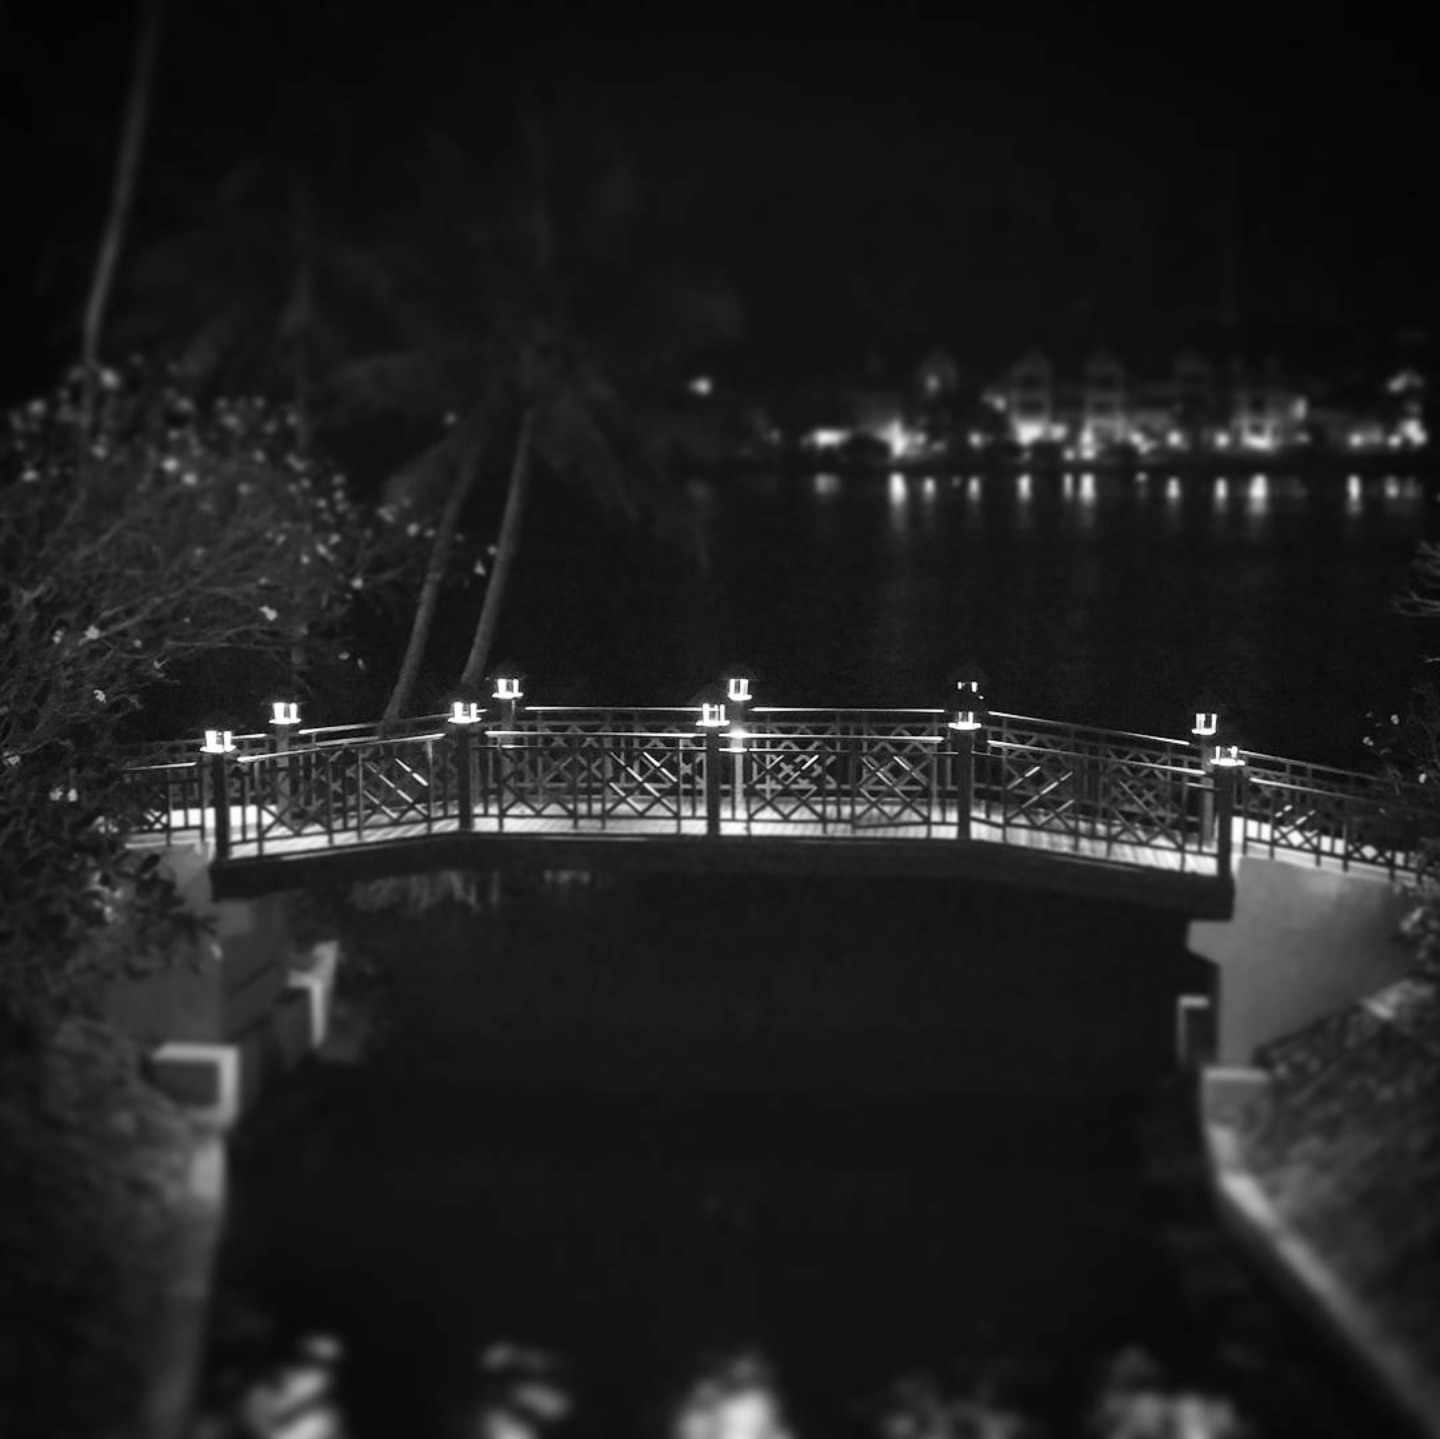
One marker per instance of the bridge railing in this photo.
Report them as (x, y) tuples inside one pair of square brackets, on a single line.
[(1107, 794)]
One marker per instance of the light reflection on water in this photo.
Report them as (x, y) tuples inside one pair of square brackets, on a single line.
[(1105, 597)]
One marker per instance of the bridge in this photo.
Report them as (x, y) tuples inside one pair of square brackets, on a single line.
[(736, 786)]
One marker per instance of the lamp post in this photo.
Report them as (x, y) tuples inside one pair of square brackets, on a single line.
[(219, 743), (966, 724), (1226, 764), (507, 696), (464, 718), (1203, 732), (738, 699), (284, 725)]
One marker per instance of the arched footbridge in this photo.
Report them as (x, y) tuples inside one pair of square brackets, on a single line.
[(736, 787)]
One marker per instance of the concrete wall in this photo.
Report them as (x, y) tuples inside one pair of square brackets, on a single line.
[(1303, 942), (215, 989)]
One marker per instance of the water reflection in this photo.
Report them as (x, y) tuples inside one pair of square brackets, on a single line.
[(898, 492), (1087, 489), (827, 486), (1222, 494), (1257, 499), (1352, 495), (928, 488), (1025, 489)]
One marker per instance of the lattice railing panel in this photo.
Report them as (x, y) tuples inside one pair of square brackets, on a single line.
[(795, 779), (896, 780)]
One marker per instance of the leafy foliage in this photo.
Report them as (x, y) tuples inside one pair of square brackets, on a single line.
[(166, 532), (153, 532)]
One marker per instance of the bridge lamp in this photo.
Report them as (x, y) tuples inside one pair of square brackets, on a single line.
[(1227, 756), (712, 716), (737, 689), (507, 687), (284, 712), (1206, 725), (218, 741), (465, 712), (969, 714)]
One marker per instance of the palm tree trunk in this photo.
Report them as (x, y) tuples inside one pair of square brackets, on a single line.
[(505, 550), (467, 465), (127, 166)]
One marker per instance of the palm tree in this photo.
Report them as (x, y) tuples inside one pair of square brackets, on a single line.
[(122, 193), (560, 389)]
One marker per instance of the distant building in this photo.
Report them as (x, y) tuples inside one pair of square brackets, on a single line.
[(1197, 403)]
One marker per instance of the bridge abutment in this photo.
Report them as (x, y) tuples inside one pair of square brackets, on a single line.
[(232, 1007), (1301, 944)]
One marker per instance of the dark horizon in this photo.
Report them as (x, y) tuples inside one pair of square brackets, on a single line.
[(980, 187)]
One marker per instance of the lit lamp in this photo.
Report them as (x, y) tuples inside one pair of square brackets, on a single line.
[(218, 741), (1227, 756), (737, 689), (1206, 726), (507, 696), (464, 715), (970, 707), (712, 716), (464, 712), (284, 720)]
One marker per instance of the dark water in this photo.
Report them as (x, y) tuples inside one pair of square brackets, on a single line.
[(860, 1128), (1108, 600), (866, 1126)]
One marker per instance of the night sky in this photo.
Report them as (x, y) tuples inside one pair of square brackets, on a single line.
[(882, 183)]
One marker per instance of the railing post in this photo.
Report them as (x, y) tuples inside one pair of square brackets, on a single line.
[(220, 802), (962, 746), (1224, 816), (464, 718), (1204, 732), (713, 762), (969, 716), (218, 747)]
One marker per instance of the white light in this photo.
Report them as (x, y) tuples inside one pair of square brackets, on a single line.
[(966, 721), (897, 489), (507, 689), (738, 689), (827, 486), (1023, 488), (1087, 489), (1175, 439), (284, 712), (738, 736), (465, 712), (219, 741), (927, 487), (1172, 488), (1227, 756), (701, 385), (1205, 725), (825, 439), (1222, 491), (712, 716), (1222, 441)]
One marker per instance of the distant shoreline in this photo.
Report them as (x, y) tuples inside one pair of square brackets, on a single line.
[(1425, 464)]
